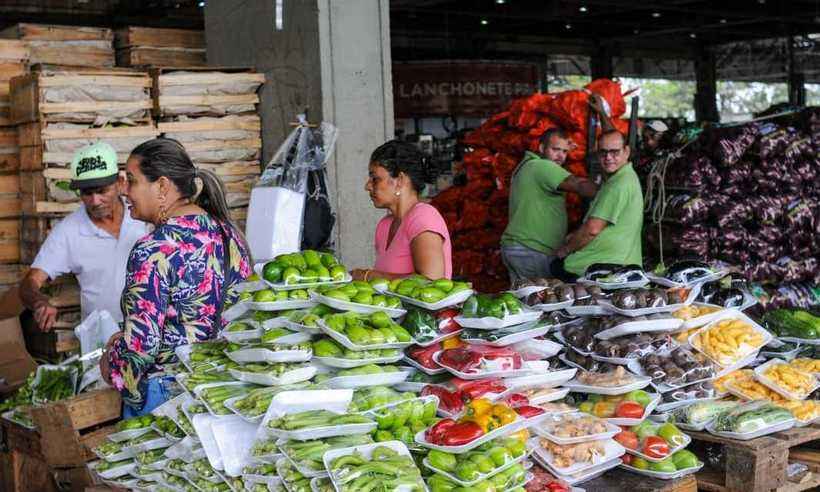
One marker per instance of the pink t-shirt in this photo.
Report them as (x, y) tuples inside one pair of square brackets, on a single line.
[(398, 257)]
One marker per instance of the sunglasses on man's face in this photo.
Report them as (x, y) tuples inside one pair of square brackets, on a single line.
[(604, 153)]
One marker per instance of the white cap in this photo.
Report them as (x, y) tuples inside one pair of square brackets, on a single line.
[(657, 125)]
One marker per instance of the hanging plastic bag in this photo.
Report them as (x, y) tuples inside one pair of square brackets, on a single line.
[(93, 334)]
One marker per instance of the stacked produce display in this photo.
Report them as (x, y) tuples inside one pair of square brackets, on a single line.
[(747, 195), (313, 385), (476, 213)]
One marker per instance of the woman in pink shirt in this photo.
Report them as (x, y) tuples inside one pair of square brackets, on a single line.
[(412, 237)]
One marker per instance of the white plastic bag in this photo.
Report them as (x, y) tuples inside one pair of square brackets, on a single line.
[(93, 334)]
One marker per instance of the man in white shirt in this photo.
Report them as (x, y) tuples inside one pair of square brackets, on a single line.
[(93, 242)]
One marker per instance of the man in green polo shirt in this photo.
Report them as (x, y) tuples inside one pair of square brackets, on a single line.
[(611, 232), (538, 215)]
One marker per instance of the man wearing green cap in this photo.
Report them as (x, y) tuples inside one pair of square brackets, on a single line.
[(93, 242)]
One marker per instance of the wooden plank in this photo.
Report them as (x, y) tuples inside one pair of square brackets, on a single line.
[(241, 168), (9, 183), (808, 457), (31, 158), (11, 69), (212, 77), (9, 162), (250, 143), (92, 106), (55, 208), (80, 56), (154, 37), (170, 101), (13, 50), (56, 32), (36, 133), (243, 122), (63, 159), (24, 99), (8, 139), (146, 56)]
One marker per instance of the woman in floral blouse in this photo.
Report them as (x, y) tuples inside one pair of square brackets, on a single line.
[(178, 278)]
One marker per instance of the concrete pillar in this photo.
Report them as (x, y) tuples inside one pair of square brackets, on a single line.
[(333, 58), (706, 86)]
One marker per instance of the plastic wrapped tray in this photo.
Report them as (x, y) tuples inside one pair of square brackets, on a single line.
[(583, 476), (341, 363), (668, 308), (704, 319), (635, 284), (540, 430), (112, 473), (9, 415), (356, 307), (663, 475), (290, 377), (725, 315), (656, 399), (537, 330), (345, 342), (590, 310), (248, 355), (612, 450), (489, 323), (383, 379), (640, 383), (527, 368), (760, 375), (449, 301), (672, 450), (365, 450), (244, 335), (665, 282), (778, 427), (236, 311), (804, 341), (549, 379), (505, 430), (281, 305), (425, 370), (643, 326), (482, 477), (259, 267), (128, 434)]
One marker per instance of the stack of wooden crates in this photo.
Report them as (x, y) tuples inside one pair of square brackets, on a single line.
[(149, 47), (212, 112), (14, 58)]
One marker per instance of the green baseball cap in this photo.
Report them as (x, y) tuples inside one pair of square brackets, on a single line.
[(94, 166)]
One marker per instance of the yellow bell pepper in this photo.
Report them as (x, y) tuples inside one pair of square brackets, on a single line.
[(451, 343), (479, 407), (486, 421), (523, 435), (505, 414)]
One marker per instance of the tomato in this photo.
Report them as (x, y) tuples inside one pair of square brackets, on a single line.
[(626, 459), (629, 410), (627, 439), (655, 447)]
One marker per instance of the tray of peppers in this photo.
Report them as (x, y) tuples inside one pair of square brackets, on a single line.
[(480, 422)]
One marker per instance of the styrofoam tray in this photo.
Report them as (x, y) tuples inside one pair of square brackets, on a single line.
[(536, 331), (787, 356), (291, 338), (510, 428), (350, 382), (9, 415), (423, 399), (124, 454), (292, 326), (612, 450), (549, 379), (305, 400), (315, 483), (643, 326), (662, 475), (548, 308), (619, 361), (183, 353), (527, 368), (151, 445), (554, 396), (635, 284), (527, 479), (247, 355), (345, 342), (450, 301), (583, 476), (112, 473), (731, 314), (780, 426), (590, 310), (568, 362), (560, 337), (669, 308), (439, 338), (307, 472), (241, 336), (425, 370), (656, 399), (702, 320), (669, 406), (482, 477), (236, 311), (611, 431), (665, 282), (290, 377), (251, 285), (128, 434), (634, 365), (351, 363), (672, 450), (281, 305), (259, 267), (528, 290), (366, 451), (488, 323), (765, 381), (356, 307), (198, 391), (642, 382)]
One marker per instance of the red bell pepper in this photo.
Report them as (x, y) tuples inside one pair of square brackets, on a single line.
[(516, 400), (655, 447), (446, 320), (462, 359), (449, 401), (462, 433), (476, 389), (437, 432), (527, 411), (424, 356)]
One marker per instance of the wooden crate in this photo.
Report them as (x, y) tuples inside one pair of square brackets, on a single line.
[(9, 241), (84, 46), (57, 344), (14, 57), (29, 94), (205, 91), (22, 466), (45, 145), (146, 56), (69, 429), (159, 38), (9, 150), (756, 465), (9, 196)]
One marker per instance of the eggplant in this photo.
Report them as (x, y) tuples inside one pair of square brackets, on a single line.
[(729, 298), (565, 293), (625, 300), (600, 270), (629, 273), (688, 271)]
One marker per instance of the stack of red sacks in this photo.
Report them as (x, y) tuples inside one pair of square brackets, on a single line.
[(476, 213)]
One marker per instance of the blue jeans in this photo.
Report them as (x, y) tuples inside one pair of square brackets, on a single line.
[(525, 263), (156, 395)]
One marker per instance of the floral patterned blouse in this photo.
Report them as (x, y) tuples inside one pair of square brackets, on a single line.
[(173, 286)]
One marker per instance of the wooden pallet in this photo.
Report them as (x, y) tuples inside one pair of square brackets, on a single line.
[(756, 465), (127, 37), (146, 56), (200, 80), (29, 96), (48, 43)]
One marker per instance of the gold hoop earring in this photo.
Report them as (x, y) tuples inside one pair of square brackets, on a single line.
[(163, 214)]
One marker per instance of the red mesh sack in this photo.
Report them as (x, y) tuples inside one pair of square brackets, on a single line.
[(570, 109), (541, 127), (611, 91)]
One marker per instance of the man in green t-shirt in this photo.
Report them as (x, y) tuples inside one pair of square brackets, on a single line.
[(611, 232), (538, 215)]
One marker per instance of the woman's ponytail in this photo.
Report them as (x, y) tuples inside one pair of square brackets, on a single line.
[(212, 196)]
